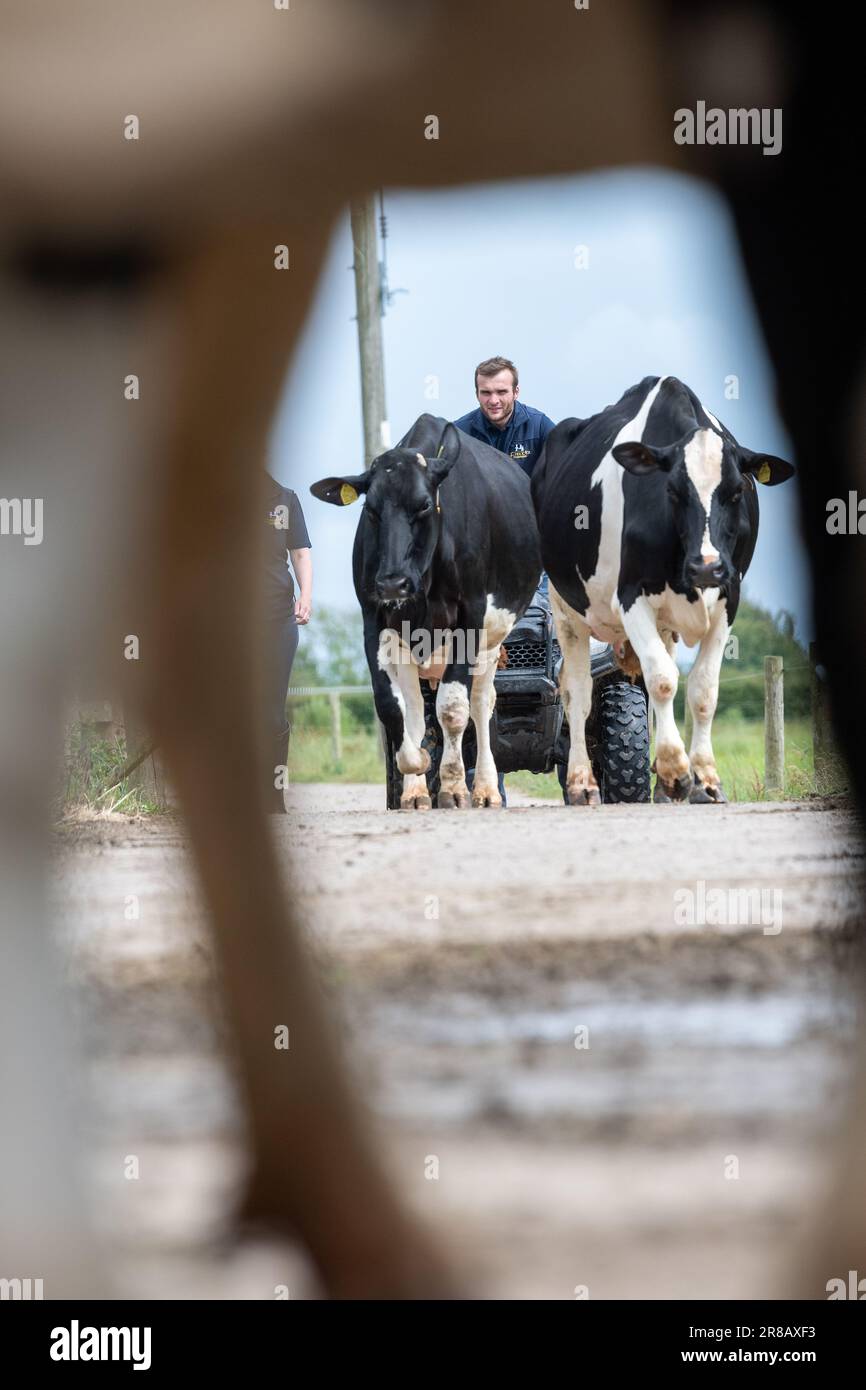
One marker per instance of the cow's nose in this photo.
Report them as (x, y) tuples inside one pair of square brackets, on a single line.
[(706, 576), (392, 586)]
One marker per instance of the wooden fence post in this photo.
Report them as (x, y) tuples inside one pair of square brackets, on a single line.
[(336, 730), (774, 725), (822, 723), (98, 721), (149, 776)]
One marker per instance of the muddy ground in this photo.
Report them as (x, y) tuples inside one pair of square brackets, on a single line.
[(617, 1101)]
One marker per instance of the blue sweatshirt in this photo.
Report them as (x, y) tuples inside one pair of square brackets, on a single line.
[(521, 439)]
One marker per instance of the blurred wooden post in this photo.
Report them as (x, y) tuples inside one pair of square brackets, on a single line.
[(822, 724), (336, 731), (98, 724), (149, 776), (774, 725)]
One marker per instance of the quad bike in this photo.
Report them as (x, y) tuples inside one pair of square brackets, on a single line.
[(528, 729)]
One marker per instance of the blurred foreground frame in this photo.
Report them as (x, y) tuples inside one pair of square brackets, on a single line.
[(152, 160)]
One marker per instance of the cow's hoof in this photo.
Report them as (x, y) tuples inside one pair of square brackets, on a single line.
[(679, 790), (584, 796), (415, 803), (702, 794), (453, 801), (490, 800)]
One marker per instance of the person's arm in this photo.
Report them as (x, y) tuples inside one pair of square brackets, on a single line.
[(302, 564)]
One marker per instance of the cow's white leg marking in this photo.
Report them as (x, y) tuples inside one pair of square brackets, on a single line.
[(485, 787), (703, 694), (576, 685), (661, 678), (498, 622), (412, 760), (452, 711)]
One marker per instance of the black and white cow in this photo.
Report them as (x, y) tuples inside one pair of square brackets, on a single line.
[(648, 517), (446, 560)]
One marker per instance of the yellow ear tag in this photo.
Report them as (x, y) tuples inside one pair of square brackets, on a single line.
[(348, 494), (763, 473)]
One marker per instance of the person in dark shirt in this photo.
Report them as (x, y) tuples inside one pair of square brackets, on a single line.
[(503, 421), (506, 424), (284, 614)]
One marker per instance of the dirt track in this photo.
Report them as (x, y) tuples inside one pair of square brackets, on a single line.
[(462, 951)]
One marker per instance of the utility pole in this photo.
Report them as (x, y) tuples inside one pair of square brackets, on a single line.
[(368, 296)]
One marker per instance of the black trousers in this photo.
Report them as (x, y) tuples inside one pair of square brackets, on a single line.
[(281, 643)]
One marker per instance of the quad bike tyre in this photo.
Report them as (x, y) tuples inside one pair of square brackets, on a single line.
[(620, 747)]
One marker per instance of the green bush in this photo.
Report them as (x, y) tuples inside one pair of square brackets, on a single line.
[(741, 684)]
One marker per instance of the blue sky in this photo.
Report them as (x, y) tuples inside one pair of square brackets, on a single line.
[(491, 269)]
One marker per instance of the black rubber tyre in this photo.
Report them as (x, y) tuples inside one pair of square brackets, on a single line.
[(621, 759)]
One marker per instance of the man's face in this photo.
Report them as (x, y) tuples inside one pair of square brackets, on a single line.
[(496, 396)]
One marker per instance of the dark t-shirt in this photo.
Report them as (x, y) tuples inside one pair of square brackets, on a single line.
[(287, 531)]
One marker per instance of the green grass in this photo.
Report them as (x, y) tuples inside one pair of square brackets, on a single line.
[(739, 748), (311, 757), (738, 745), (90, 773)]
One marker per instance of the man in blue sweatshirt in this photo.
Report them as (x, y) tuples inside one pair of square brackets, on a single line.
[(513, 428), (502, 420)]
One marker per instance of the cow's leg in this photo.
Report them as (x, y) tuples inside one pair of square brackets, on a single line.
[(66, 445), (703, 694), (661, 678), (400, 706), (575, 682), (380, 647), (485, 785), (659, 793), (315, 1169), (496, 625), (412, 760), (452, 711)]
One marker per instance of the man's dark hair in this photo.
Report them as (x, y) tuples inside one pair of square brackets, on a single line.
[(492, 365)]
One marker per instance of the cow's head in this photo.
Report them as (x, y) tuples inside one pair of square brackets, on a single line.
[(402, 512), (706, 475)]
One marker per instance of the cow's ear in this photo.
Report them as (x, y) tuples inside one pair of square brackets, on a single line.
[(639, 458), (765, 468), (447, 453), (341, 491)]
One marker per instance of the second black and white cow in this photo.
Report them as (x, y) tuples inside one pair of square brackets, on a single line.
[(648, 517), (446, 560)]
